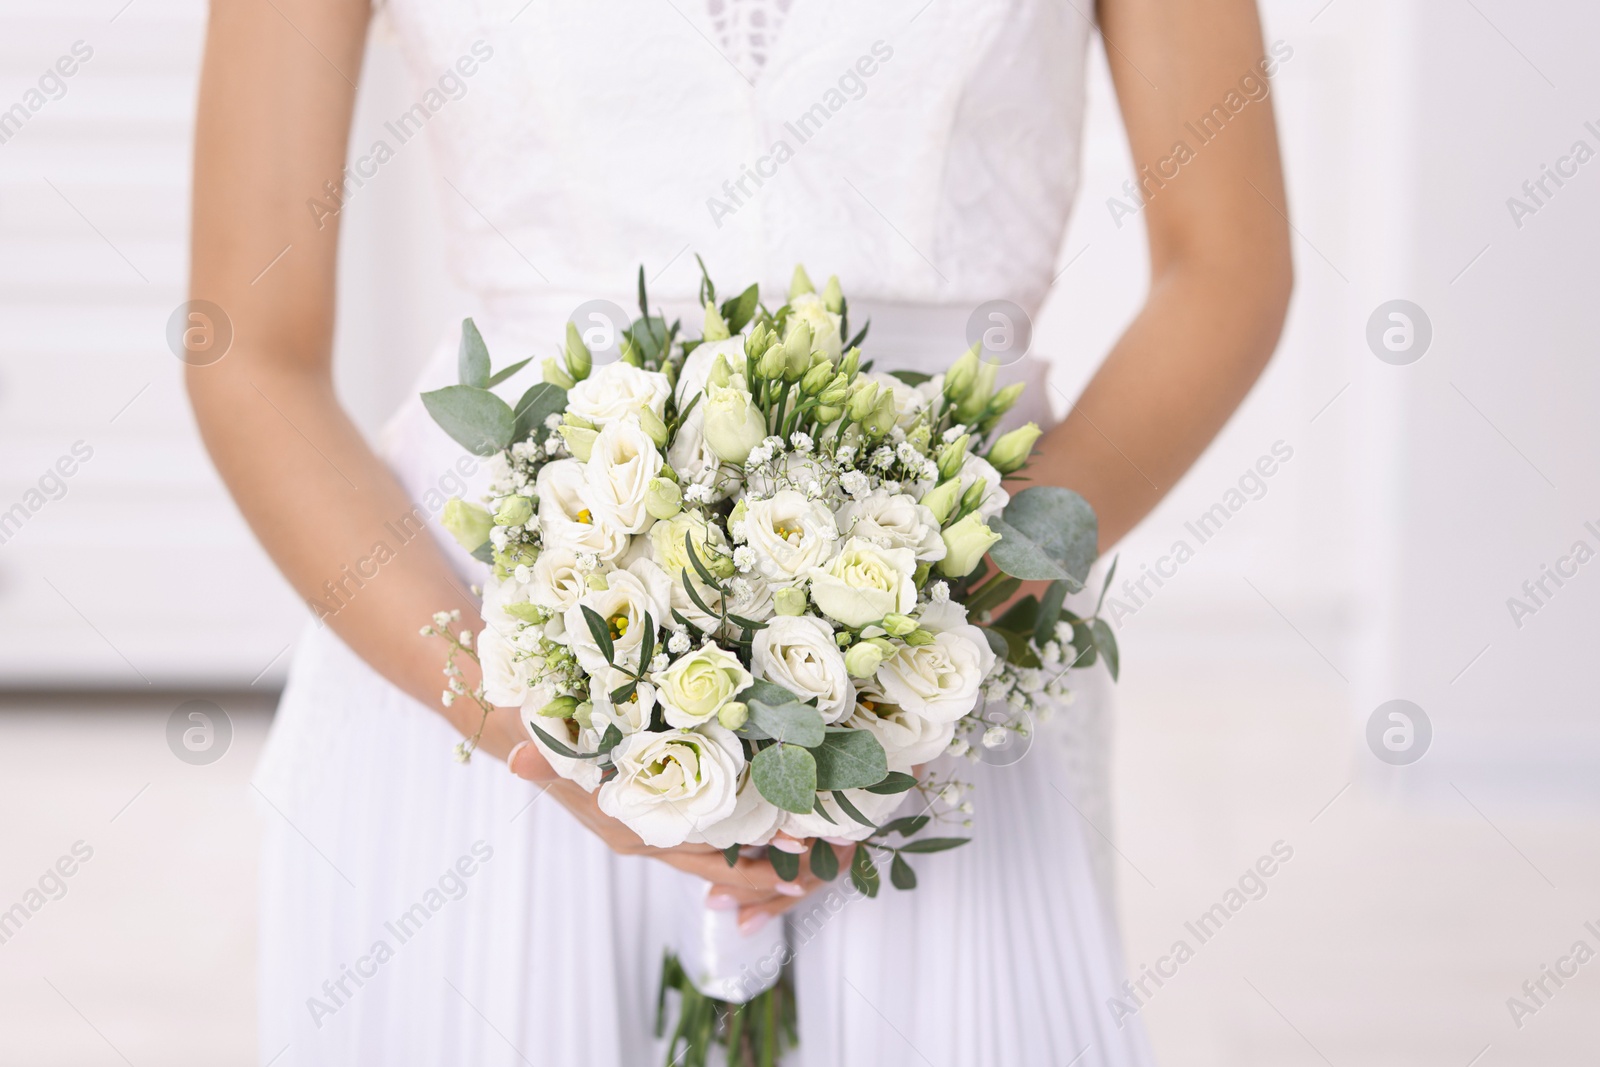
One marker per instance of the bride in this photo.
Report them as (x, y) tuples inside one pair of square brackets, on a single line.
[(415, 911)]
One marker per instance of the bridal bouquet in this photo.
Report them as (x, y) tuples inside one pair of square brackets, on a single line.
[(738, 582)]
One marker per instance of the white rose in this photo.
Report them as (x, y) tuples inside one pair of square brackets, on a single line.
[(668, 548), (975, 469), (618, 473), (907, 737), (567, 517), (617, 390), (697, 368), (753, 822), (941, 681), (506, 679), (673, 785), (642, 589), (799, 653), (790, 535), (894, 521), (864, 582), (557, 582), (632, 715), (809, 309), (694, 688)]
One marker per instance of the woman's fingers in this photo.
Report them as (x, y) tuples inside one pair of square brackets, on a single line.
[(753, 917)]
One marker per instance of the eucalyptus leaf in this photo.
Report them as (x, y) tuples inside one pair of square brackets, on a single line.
[(901, 876), (787, 776), (895, 782), (1044, 626), (484, 553), (505, 372), (1083, 641), (542, 400), (997, 643), (1106, 642), (472, 360), (905, 826), (850, 759), (1046, 533), (731, 855), (824, 860), (767, 693), (786, 864), (479, 421), (792, 723)]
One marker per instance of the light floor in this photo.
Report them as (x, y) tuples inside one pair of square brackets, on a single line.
[(1393, 936)]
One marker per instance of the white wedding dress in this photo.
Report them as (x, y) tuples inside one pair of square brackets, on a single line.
[(418, 912)]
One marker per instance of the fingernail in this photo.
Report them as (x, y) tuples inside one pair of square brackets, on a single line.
[(753, 922), (511, 757), (790, 889), (721, 902), (788, 844)]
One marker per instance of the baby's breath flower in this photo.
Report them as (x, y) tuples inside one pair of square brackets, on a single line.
[(588, 561), (882, 457), (801, 441), (744, 557), (447, 698), (466, 638), (659, 662), (939, 592), (678, 643), (953, 433), (551, 421), (441, 619), (994, 737), (855, 483)]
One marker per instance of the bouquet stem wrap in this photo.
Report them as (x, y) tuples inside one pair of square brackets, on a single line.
[(722, 963)]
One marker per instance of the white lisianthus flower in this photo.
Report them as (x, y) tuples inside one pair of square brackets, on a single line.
[(865, 582), (809, 309), (733, 425), (942, 681), (642, 589), (907, 737), (567, 516), (799, 653), (672, 786), (976, 468), (749, 597), (696, 686), (506, 679), (693, 458), (894, 520), (630, 716), (753, 822), (790, 535), (557, 581), (697, 367), (617, 390), (620, 467)]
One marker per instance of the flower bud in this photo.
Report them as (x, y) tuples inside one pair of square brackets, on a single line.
[(817, 379), (580, 441), (715, 328), (733, 714), (720, 374), (850, 363), (1007, 398), (796, 351), (965, 544), (801, 283), (827, 414), (761, 338), (942, 499), (832, 295), (555, 375), (562, 707), (651, 423), (863, 398), (579, 359), (918, 638), (882, 419), (514, 511), (974, 495), (863, 659), (733, 424), (977, 400), (771, 364), (583, 715), (790, 600), (1011, 452), (959, 378), (897, 625), (630, 352), (468, 523), (662, 498), (596, 582), (952, 456)]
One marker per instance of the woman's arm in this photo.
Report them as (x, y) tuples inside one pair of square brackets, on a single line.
[(1220, 272)]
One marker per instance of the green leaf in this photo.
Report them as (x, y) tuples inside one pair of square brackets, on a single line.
[(895, 782), (647, 644), (738, 310), (694, 595), (472, 362), (601, 632), (1111, 572), (537, 404), (1044, 625), (1106, 642), (824, 860), (766, 692), (849, 759), (912, 378), (851, 810), (905, 826), (622, 692), (1021, 616), (694, 558), (478, 420), (792, 723), (786, 864), (901, 876), (855, 342), (997, 643), (993, 594), (506, 372), (934, 844), (1017, 650), (610, 739), (484, 553), (819, 808), (863, 872), (1046, 533), (644, 299), (744, 623), (560, 748), (731, 854), (787, 776), (1083, 641)]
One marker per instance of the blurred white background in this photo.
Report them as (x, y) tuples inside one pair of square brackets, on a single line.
[(1377, 565)]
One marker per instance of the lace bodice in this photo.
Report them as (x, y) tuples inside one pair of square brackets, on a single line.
[(927, 153)]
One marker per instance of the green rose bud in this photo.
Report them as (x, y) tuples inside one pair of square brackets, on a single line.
[(898, 625), (801, 283), (790, 600), (662, 498), (580, 441), (832, 295), (863, 659), (953, 455), (1011, 452), (942, 499), (959, 378), (1007, 398), (555, 375), (715, 328), (579, 360), (965, 544), (468, 523), (514, 511), (733, 715), (651, 423), (562, 707), (918, 638)]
